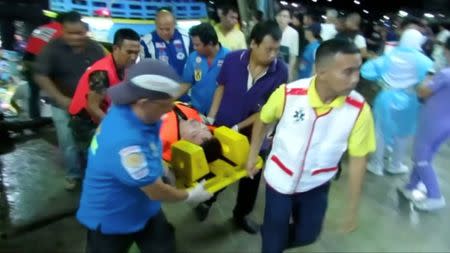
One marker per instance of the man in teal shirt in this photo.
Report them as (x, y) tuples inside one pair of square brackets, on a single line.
[(203, 66)]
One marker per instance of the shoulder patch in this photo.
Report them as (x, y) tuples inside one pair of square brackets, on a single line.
[(134, 162)]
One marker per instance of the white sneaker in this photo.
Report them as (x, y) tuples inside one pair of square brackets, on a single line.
[(402, 169), (412, 195), (377, 170), (430, 204)]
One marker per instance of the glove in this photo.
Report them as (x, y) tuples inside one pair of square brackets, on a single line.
[(210, 120), (198, 194), (235, 128)]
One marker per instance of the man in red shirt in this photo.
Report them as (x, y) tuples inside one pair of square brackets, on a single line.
[(38, 39), (89, 104)]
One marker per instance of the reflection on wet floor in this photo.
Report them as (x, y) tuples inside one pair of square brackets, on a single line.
[(32, 178)]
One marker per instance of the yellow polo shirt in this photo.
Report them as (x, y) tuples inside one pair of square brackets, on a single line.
[(362, 138), (233, 40)]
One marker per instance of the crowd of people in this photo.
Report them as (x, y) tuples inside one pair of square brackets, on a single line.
[(288, 85)]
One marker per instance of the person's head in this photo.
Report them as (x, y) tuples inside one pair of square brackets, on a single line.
[(265, 42), (447, 50), (194, 131), (331, 15), (165, 24), (74, 29), (310, 18), (353, 21), (257, 16), (410, 23), (312, 32), (297, 19), (340, 24), (149, 88), (337, 66), (229, 16), (283, 17), (126, 47), (204, 38)]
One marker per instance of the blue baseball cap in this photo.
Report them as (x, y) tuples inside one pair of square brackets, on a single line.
[(149, 78)]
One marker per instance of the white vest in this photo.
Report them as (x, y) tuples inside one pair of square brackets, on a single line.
[(306, 147)]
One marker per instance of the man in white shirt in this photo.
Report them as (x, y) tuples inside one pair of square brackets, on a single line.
[(328, 30), (289, 42)]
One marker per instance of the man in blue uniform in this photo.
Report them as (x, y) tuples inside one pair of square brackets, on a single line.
[(203, 66), (166, 43), (122, 190)]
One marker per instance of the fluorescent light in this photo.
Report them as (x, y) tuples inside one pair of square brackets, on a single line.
[(356, 2), (314, 1), (324, 17), (441, 15), (294, 5), (329, 0), (386, 17), (283, 3), (428, 15), (402, 13), (366, 11)]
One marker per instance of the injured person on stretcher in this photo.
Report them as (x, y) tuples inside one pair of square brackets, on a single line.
[(194, 151)]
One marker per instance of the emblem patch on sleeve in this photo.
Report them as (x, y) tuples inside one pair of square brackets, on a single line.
[(134, 162)]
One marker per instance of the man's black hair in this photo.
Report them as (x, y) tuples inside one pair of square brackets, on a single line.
[(125, 34), (206, 33), (315, 17), (284, 9), (259, 15), (227, 8), (264, 28), (70, 17), (332, 47), (212, 149)]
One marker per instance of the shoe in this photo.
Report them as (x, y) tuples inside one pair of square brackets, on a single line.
[(430, 204), (70, 184), (408, 194), (202, 211), (377, 170), (402, 169), (246, 224)]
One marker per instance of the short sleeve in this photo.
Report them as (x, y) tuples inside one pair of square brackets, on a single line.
[(274, 107), (439, 81), (222, 77), (138, 165), (44, 61), (360, 41), (188, 71), (362, 138), (99, 81)]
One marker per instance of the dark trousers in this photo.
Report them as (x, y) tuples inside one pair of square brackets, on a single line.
[(158, 236), (307, 210), (83, 129), (34, 108)]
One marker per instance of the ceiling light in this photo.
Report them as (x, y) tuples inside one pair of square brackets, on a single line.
[(428, 15), (294, 5), (402, 13), (366, 11), (283, 3), (386, 17), (356, 2)]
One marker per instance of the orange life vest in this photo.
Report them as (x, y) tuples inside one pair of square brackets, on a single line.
[(169, 132), (79, 100)]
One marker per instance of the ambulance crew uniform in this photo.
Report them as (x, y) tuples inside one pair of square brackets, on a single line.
[(298, 170), (101, 75), (174, 52), (124, 159), (202, 75)]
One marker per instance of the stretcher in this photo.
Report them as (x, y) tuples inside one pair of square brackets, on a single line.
[(190, 166)]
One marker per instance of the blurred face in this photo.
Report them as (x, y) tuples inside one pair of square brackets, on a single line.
[(229, 20), (307, 21), (150, 111), (75, 34), (266, 52), (126, 53), (341, 74), (165, 26), (283, 18), (352, 23), (194, 131), (201, 48), (296, 22)]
